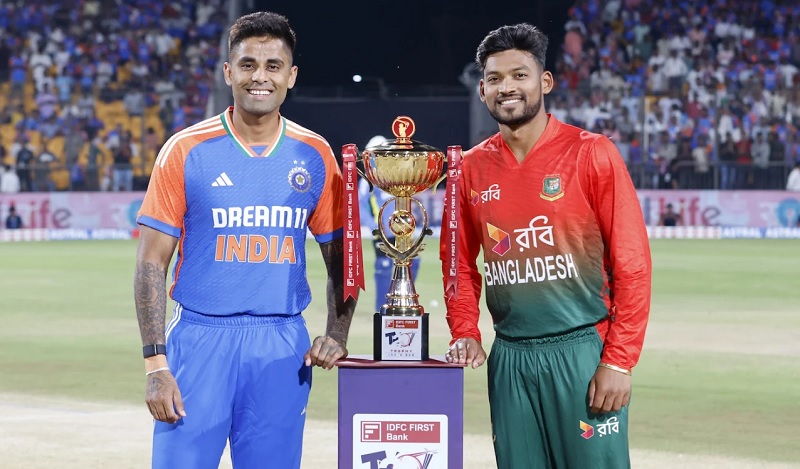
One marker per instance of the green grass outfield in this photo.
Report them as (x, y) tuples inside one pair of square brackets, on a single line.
[(68, 328)]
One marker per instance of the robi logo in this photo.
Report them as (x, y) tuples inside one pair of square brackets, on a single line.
[(503, 241), (588, 430)]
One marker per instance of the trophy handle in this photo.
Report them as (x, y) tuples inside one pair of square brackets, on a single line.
[(389, 248), (437, 182), (360, 159)]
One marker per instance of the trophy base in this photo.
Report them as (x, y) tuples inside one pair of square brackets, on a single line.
[(400, 338)]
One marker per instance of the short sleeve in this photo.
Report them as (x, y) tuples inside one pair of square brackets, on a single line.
[(164, 204)]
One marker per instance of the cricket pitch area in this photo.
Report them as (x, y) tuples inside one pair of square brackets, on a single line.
[(716, 387)]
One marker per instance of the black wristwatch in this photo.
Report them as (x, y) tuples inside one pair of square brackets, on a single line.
[(153, 350)]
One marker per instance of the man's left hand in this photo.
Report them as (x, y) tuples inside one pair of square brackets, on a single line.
[(324, 352), (609, 390)]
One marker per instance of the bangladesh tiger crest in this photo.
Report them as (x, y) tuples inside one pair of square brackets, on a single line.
[(552, 188)]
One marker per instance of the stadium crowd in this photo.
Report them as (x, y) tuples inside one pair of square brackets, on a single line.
[(695, 94), (89, 89)]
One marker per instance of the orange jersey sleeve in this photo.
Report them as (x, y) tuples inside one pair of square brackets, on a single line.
[(327, 219), (164, 204)]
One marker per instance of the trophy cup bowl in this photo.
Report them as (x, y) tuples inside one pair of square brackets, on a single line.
[(401, 171), (402, 168)]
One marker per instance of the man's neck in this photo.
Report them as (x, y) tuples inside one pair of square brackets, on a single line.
[(522, 139), (255, 129)]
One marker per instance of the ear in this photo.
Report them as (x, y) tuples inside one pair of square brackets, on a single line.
[(226, 72), (292, 77), (548, 82), (481, 92)]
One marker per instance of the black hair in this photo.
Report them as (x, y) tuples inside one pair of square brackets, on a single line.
[(523, 36), (261, 24)]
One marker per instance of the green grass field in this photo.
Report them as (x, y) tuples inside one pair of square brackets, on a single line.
[(720, 373)]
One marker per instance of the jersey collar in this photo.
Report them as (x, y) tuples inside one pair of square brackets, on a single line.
[(227, 123)]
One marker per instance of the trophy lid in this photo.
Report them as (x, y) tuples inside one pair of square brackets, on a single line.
[(403, 128)]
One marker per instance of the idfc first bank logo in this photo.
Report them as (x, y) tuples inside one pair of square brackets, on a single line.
[(400, 441)]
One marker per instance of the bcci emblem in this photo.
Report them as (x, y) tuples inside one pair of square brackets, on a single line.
[(552, 188), (299, 179)]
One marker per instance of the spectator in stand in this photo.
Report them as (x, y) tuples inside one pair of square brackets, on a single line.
[(46, 102), (701, 154), (675, 71), (727, 163), (93, 125), (52, 127), (64, 86), (151, 144), (19, 75), (760, 152), (684, 166), (29, 122), (668, 175), (744, 160), (777, 160), (123, 170), (24, 165), (42, 169), (793, 182), (9, 181), (74, 141), (95, 159)]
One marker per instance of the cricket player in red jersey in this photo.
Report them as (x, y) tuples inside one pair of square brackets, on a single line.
[(566, 265)]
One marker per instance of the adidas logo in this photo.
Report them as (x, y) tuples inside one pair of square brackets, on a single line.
[(222, 181)]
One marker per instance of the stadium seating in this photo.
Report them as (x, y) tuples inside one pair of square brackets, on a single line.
[(653, 75), (49, 44), (670, 82)]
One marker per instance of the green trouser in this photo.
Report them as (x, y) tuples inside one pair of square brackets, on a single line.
[(538, 396)]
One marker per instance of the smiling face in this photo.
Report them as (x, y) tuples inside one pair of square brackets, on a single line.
[(513, 87), (260, 73)]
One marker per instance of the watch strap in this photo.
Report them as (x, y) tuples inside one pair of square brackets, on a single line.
[(153, 350)]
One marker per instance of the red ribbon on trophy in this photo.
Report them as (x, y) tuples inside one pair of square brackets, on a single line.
[(353, 259), (451, 220)]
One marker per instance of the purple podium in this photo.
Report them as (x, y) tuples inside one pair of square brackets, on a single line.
[(409, 414)]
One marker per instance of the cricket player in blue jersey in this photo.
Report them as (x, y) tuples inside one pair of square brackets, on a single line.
[(236, 194)]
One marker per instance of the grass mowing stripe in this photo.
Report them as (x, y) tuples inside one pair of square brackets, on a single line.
[(68, 328)]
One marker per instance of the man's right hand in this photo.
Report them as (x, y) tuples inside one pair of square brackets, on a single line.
[(164, 398), (466, 352)]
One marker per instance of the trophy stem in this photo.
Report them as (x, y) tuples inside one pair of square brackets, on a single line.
[(403, 204), (402, 299)]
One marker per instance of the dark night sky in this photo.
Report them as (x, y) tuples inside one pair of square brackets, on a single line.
[(404, 42)]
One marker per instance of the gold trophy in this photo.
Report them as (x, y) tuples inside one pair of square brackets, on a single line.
[(402, 168)]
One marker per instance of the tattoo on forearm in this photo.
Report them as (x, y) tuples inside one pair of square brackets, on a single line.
[(150, 296), (340, 312)]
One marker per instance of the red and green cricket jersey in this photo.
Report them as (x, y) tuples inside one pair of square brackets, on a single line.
[(564, 242)]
